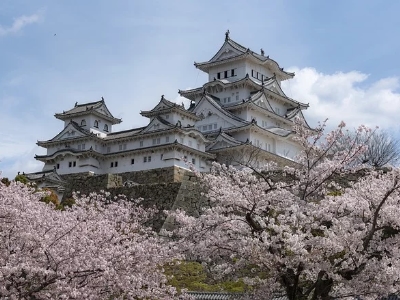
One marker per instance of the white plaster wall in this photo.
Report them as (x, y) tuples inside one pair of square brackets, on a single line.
[(258, 68), (174, 118), (90, 123), (239, 68), (287, 149)]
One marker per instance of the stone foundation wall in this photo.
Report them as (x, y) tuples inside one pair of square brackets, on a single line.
[(165, 189)]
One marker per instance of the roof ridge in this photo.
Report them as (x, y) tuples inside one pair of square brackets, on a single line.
[(89, 103)]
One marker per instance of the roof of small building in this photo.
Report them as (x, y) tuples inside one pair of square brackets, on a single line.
[(49, 175), (231, 296), (214, 295), (98, 108)]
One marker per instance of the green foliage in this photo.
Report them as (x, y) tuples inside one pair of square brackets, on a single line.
[(68, 202), (21, 178), (335, 193), (193, 277), (51, 197), (5, 181), (334, 257), (388, 232)]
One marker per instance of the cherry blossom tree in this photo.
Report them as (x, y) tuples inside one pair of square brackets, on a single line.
[(317, 231), (98, 249)]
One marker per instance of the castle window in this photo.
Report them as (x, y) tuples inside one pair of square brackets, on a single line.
[(167, 117), (83, 146), (145, 159), (112, 165), (233, 72), (167, 139), (161, 157), (190, 143), (193, 161), (70, 164), (225, 74), (219, 75), (141, 144), (237, 96), (215, 125), (58, 166), (105, 127), (96, 124), (83, 123), (132, 161), (149, 158), (156, 141), (210, 127), (108, 149), (74, 163), (204, 127), (116, 164), (252, 73)]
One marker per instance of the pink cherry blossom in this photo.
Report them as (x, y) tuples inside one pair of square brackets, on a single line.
[(316, 231), (98, 249)]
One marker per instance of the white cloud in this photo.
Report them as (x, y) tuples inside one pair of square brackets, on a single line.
[(347, 97), (19, 23)]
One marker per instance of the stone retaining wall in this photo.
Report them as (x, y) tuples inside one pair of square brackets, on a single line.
[(165, 189)]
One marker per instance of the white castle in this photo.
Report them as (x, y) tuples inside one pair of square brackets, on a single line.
[(241, 115)]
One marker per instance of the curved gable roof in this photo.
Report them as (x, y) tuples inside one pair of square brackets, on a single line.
[(238, 52), (98, 108)]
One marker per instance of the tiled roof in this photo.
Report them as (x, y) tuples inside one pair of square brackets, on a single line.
[(214, 296), (82, 109), (233, 296), (243, 52)]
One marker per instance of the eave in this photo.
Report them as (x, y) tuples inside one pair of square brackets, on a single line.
[(280, 73), (151, 113), (193, 93), (254, 126), (45, 144)]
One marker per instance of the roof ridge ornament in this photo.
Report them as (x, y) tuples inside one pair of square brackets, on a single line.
[(162, 97), (227, 35), (262, 51), (102, 99)]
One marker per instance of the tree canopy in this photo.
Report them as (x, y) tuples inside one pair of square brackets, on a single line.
[(305, 231), (97, 249)]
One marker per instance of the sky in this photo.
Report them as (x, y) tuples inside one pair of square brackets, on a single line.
[(56, 53)]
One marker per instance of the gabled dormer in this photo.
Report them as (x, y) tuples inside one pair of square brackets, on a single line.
[(93, 116), (171, 112)]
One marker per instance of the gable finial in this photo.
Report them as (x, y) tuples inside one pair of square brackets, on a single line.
[(102, 98), (227, 35), (262, 51), (76, 103), (162, 97)]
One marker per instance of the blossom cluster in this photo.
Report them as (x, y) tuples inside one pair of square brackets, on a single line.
[(97, 249)]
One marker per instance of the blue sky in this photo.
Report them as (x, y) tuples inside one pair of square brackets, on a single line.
[(54, 53)]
